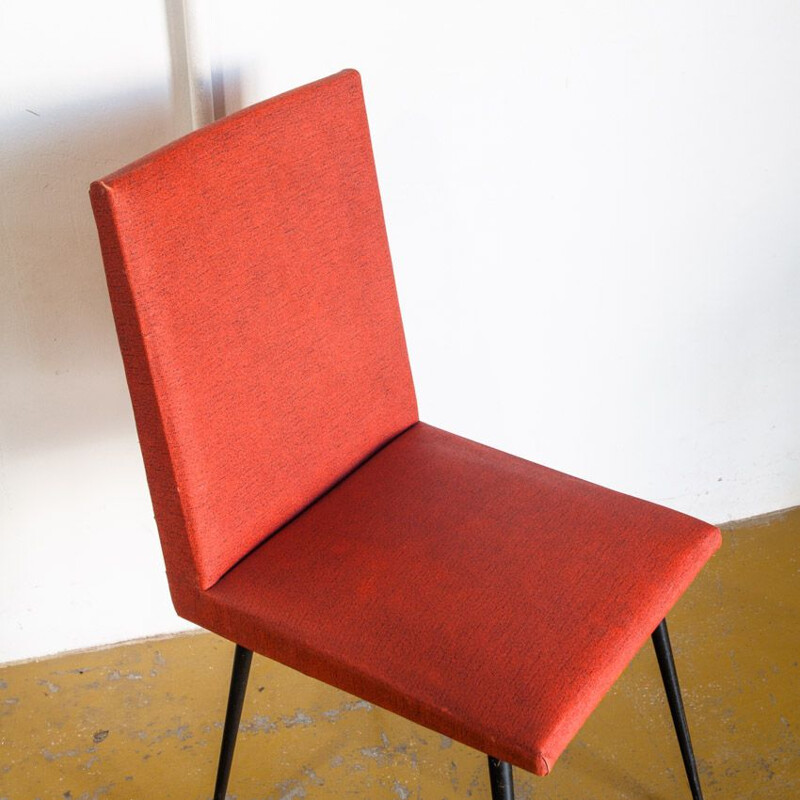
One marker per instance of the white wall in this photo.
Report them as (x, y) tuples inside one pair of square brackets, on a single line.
[(593, 217), (85, 88)]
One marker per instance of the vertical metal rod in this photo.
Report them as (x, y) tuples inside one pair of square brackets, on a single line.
[(666, 664), (501, 779), (239, 674)]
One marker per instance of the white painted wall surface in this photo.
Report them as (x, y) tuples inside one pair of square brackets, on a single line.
[(85, 88), (593, 218)]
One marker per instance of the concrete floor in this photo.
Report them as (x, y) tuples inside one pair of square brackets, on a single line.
[(143, 720)]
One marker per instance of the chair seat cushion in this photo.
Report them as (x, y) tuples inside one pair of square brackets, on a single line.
[(486, 597)]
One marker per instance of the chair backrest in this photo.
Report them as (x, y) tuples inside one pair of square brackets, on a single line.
[(256, 310)]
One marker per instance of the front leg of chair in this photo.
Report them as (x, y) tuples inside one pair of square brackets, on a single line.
[(501, 779), (242, 659), (666, 664)]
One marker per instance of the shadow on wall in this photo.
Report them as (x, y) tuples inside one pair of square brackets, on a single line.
[(63, 374), (63, 380), (63, 377), (207, 84)]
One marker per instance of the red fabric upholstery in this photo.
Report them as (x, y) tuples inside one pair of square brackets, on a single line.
[(479, 594), (252, 287), (486, 597)]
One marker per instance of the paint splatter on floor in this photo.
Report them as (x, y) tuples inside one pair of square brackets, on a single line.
[(143, 720)]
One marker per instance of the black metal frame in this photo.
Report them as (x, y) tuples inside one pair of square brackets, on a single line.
[(669, 676), (242, 659), (501, 777)]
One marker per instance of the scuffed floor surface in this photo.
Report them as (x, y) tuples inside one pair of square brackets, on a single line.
[(143, 720)]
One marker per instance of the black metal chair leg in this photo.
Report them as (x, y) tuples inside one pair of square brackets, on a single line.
[(501, 779), (670, 677), (239, 674)]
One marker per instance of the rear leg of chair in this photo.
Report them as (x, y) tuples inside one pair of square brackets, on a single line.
[(239, 674), (666, 664), (501, 779)]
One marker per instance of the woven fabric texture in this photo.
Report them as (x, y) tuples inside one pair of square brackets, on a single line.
[(304, 511), (484, 596), (252, 286)]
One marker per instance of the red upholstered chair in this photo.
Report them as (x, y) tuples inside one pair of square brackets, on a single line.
[(305, 512)]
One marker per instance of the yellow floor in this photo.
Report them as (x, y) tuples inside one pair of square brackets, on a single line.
[(143, 720)]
